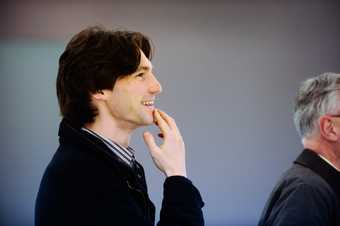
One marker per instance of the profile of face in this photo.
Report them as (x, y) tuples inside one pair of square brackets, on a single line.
[(131, 102)]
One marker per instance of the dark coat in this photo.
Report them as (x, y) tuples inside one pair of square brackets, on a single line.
[(87, 184), (308, 194)]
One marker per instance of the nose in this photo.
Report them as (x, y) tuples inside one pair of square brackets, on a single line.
[(155, 86)]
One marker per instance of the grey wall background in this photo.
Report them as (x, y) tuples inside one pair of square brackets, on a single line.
[(229, 70)]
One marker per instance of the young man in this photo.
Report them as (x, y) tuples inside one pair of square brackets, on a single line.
[(309, 192), (106, 89)]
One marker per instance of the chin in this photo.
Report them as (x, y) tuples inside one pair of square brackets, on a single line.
[(144, 121), (148, 118), (148, 122)]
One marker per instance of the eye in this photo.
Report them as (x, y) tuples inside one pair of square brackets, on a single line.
[(140, 75)]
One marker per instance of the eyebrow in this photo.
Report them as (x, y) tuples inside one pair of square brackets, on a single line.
[(146, 68)]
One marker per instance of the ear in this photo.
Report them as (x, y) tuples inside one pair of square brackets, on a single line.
[(327, 128)]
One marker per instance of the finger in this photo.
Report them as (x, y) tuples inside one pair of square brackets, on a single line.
[(171, 122), (160, 122), (150, 142)]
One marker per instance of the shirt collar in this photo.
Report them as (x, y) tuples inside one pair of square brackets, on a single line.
[(326, 160), (127, 155)]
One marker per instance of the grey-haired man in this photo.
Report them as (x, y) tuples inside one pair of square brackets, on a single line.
[(309, 192)]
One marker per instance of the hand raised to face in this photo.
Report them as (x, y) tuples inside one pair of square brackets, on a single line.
[(169, 157)]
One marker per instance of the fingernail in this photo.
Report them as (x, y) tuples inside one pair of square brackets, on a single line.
[(161, 135)]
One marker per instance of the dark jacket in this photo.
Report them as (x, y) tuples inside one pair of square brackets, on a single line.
[(308, 194), (87, 184)]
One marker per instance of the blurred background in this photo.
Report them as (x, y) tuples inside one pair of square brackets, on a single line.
[(229, 71)]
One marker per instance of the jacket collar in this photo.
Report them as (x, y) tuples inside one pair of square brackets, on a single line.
[(72, 134), (311, 160)]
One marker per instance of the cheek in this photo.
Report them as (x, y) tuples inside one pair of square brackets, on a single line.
[(123, 97), (128, 97), (129, 102)]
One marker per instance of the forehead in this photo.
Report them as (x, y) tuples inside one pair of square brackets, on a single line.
[(145, 63)]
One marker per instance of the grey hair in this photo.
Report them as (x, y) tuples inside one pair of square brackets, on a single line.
[(317, 96)]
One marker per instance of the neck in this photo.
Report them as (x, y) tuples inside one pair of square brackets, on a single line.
[(111, 129), (324, 149)]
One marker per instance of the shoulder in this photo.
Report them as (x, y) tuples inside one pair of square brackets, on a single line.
[(299, 178), (76, 166), (301, 197), (300, 186)]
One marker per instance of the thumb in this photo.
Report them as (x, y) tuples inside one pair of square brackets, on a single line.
[(150, 142)]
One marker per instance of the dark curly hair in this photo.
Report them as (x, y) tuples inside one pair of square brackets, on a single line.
[(92, 61)]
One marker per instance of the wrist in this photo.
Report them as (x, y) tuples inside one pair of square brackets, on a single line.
[(182, 173)]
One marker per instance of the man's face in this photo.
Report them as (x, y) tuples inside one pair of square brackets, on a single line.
[(131, 101)]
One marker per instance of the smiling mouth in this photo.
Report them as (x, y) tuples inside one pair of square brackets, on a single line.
[(148, 103)]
